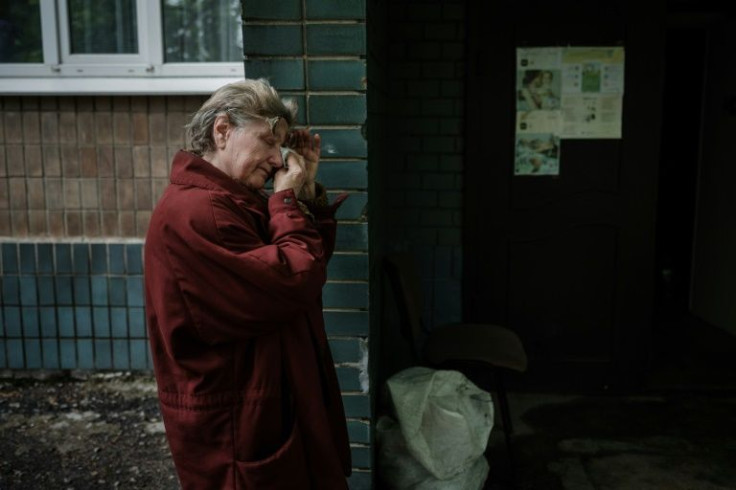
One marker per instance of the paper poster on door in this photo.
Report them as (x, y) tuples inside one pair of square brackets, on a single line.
[(564, 93), (592, 92), (537, 154)]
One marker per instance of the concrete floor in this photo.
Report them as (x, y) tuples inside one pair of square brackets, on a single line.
[(676, 433), (668, 441)]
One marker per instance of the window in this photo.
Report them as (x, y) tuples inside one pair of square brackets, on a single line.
[(119, 46)]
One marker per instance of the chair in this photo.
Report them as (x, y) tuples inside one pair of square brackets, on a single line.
[(462, 346)]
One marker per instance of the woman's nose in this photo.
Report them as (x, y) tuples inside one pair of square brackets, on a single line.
[(275, 159)]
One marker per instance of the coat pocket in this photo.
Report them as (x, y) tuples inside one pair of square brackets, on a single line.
[(285, 469)]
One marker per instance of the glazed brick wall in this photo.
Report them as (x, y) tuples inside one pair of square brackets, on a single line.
[(314, 51), (426, 71)]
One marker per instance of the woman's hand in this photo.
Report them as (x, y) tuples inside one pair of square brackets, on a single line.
[(309, 147), (291, 177)]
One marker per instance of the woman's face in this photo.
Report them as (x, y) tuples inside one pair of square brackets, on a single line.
[(252, 153)]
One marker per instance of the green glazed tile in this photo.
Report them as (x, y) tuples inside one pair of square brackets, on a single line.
[(324, 39), (337, 109), (272, 40), (270, 10), (337, 74), (283, 74), (336, 9)]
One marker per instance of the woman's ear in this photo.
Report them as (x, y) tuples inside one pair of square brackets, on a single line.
[(221, 130)]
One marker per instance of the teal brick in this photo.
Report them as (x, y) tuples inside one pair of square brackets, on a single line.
[(68, 354), (348, 266), (48, 321), (361, 457), (337, 74), (33, 354), (137, 322), (65, 321), (270, 10), (336, 9), (30, 321), (301, 104), (120, 355), (80, 257), (119, 322), (360, 480), (438, 107), (347, 322), (103, 354), (283, 74), (85, 354), (134, 258), (345, 295), (50, 349), (359, 431), (63, 258), (64, 290), (331, 39), (440, 144), (349, 378), (46, 295), (272, 40), (116, 256), (352, 237), (99, 290), (28, 291), (340, 143), (337, 109), (101, 321), (354, 208), (11, 290), (98, 262), (343, 175), (10, 258), (357, 406), (134, 290), (82, 293), (345, 350), (13, 322), (45, 253), (138, 354), (116, 291), (27, 258), (83, 321), (15, 354)]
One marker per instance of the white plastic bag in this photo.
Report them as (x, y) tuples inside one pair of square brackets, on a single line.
[(444, 418), (401, 471)]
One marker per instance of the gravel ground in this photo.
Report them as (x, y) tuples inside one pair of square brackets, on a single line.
[(82, 431)]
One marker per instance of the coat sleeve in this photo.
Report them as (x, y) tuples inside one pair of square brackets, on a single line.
[(234, 283), (324, 217)]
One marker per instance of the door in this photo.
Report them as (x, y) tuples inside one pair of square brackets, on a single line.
[(714, 257), (567, 261)]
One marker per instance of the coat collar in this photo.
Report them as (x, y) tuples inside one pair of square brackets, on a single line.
[(191, 169)]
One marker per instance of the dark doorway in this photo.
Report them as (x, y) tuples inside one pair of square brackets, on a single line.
[(567, 261), (694, 333)]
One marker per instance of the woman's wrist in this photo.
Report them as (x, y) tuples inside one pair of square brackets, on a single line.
[(308, 192)]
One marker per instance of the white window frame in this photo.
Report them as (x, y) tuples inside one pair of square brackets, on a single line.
[(64, 73)]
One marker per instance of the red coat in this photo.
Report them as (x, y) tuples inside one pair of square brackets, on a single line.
[(247, 385)]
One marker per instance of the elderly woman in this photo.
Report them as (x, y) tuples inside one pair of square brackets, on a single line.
[(233, 278)]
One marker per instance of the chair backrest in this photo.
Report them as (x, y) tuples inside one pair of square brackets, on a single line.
[(403, 275)]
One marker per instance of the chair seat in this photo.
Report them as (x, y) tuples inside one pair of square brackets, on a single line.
[(475, 342)]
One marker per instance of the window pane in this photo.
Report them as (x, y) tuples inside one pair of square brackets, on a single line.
[(20, 32), (198, 30), (103, 26)]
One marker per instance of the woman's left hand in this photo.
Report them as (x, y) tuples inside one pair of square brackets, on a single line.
[(309, 147)]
